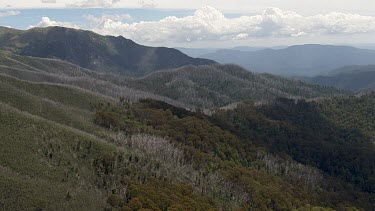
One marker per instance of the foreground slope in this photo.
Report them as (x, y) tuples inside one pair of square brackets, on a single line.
[(66, 148), (303, 60), (93, 51), (53, 156)]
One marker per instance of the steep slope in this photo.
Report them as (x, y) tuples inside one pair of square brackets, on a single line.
[(334, 135), (265, 138), (303, 60), (355, 78), (53, 156), (220, 85), (93, 51)]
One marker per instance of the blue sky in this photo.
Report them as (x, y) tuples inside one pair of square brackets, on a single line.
[(29, 17), (204, 23)]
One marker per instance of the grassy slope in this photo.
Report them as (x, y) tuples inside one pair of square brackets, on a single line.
[(31, 175), (35, 119)]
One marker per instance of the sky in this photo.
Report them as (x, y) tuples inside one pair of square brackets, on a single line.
[(204, 23)]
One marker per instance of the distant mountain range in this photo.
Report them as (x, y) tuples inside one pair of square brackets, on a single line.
[(93, 51), (199, 52), (354, 78), (301, 60)]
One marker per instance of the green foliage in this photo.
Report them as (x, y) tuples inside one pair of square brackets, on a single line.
[(302, 131), (232, 143)]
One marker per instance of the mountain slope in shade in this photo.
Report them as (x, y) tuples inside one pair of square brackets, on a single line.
[(355, 78), (220, 85), (189, 86), (61, 72), (93, 51), (303, 60)]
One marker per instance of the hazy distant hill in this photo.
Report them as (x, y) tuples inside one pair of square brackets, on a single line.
[(302, 60), (93, 51), (355, 78), (197, 52)]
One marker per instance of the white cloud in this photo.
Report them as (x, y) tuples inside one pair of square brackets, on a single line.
[(208, 23), (48, 1), (9, 13), (94, 3), (46, 22), (148, 3), (97, 21), (241, 36)]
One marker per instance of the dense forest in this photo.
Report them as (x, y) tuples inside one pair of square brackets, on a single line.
[(277, 144)]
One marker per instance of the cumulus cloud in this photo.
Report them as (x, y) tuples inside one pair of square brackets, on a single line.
[(9, 13), (46, 22), (48, 1), (209, 23), (147, 4), (94, 3), (241, 36), (97, 21)]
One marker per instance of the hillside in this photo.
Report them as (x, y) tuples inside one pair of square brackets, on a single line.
[(302, 60), (220, 85), (53, 156), (89, 50), (205, 86), (64, 148), (60, 72), (354, 78)]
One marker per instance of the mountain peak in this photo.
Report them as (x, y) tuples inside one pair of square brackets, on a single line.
[(93, 51)]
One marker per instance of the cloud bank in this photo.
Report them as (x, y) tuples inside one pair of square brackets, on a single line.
[(209, 24), (9, 13), (148, 4), (94, 3), (48, 1)]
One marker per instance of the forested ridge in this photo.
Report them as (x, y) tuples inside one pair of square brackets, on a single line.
[(93, 51)]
